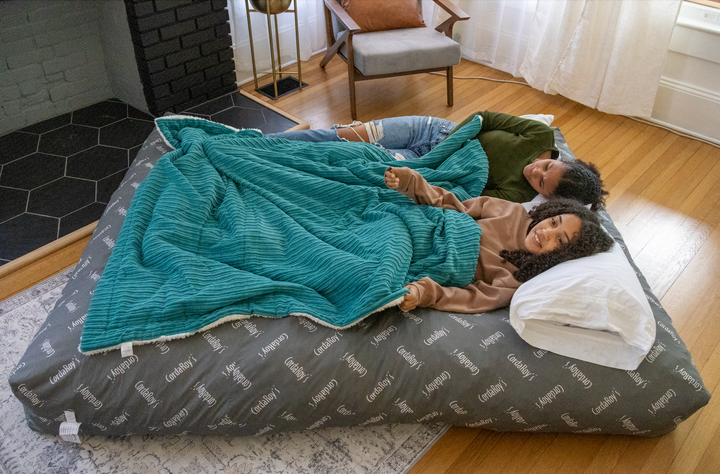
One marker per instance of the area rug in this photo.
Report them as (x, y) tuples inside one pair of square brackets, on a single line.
[(380, 449)]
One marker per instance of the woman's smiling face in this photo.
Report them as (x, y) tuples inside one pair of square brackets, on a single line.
[(544, 175), (552, 233)]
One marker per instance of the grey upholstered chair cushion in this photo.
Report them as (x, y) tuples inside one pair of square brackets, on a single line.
[(409, 49)]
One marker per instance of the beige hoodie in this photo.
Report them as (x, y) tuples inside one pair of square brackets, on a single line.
[(504, 225)]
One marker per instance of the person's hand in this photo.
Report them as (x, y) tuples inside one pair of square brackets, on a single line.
[(391, 181), (411, 299)]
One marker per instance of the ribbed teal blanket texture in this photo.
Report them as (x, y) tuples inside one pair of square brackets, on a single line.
[(231, 224)]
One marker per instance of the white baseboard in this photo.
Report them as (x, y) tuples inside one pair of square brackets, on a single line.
[(689, 109), (679, 130)]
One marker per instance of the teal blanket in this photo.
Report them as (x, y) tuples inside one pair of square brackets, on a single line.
[(231, 224)]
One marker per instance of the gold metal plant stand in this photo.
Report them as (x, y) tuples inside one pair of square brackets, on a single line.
[(275, 8)]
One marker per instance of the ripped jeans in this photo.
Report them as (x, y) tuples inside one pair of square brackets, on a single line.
[(403, 137)]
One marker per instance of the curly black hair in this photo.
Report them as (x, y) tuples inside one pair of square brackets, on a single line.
[(591, 239), (581, 181)]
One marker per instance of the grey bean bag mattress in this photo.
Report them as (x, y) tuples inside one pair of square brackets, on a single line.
[(258, 376)]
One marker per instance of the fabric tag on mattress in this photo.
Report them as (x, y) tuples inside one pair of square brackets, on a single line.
[(126, 349), (69, 429)]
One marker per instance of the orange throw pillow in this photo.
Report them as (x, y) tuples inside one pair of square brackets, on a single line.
[(380, 15)]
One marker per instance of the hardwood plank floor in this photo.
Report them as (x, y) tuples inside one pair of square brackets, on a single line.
[(664, 198)]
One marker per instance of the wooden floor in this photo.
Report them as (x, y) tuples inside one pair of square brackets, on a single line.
[(664, 199)]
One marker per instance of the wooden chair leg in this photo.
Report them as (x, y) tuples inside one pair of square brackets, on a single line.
[(329, 30), (449, 73), (351, 76), (332, 51), (351, 81)]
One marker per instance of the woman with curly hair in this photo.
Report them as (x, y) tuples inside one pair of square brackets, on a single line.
[(515, 245)]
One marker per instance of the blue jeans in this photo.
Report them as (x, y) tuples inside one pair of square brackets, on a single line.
[(402, 137)]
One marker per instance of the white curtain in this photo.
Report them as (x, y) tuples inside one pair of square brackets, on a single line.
[(497, 32), (311, 31), (604, 54)]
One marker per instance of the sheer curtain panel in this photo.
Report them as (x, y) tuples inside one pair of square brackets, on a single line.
[(604, 54), (497, 32)]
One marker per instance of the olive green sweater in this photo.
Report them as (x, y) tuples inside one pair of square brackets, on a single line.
[(511, 143)]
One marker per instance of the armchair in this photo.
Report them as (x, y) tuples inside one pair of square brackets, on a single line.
[(398, 52)]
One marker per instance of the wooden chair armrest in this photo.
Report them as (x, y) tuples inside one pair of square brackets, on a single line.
[(333, 8), (342, 16), (456, 14), (452, 9)]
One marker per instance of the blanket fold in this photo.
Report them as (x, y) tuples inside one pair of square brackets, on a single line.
[(231, 224)]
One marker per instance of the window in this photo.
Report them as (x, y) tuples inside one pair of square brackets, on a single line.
[(707, 3)]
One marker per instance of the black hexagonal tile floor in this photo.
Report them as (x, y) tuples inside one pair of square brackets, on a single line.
[(97, 162), (240, 111), (213, 106), (240, 100), (249, 119), (12, 203), (275, 123), (139, 114), (58, 175), (32, 171), (101, 114), (133, 154), (49, 124), (81, 218), (25, 233), (16, 145), (61, 197), (106, 187), (68, 140), (126, 133), (55, 177)]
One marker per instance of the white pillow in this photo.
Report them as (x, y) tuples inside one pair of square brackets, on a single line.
[(537, 200), (546, 119), (591, 308)]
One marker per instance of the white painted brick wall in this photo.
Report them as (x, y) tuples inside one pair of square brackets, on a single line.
[(51, 60)]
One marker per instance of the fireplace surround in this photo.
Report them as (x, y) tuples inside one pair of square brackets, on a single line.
[(79, 80), (183, 50), (57, 56)]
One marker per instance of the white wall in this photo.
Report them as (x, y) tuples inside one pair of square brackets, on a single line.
[(51, 60), (119, 54), (689, 95)]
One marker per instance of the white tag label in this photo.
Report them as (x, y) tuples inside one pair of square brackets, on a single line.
[(69, 432), (126, 349), (69, 428)]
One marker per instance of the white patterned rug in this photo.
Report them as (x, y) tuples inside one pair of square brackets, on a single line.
[(381, 449)]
